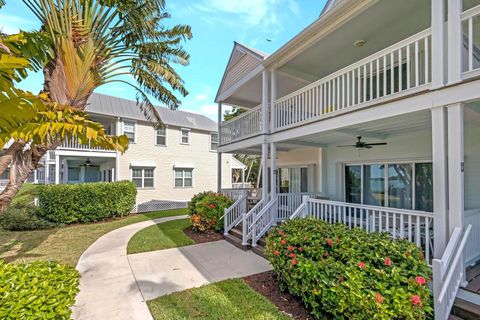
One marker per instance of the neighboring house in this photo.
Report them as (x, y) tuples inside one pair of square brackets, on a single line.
[(171, 162), (393, 73)]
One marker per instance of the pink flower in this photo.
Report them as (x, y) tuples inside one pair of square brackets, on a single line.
[(420, 280), (325, 254), (300, 249), (276, 253), (330, 242), (294, 262), (291, 248), (293, 255), (212, 206), (284, 242), (378, 298), (416, 301), (387, 261), (361, 265)]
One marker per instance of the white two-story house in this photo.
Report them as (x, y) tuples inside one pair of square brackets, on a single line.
[(370, 117), (170, 162)]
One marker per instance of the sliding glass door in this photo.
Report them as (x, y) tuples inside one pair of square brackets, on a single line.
[(293, 180)]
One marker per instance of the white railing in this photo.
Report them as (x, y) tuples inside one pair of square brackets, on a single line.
[(289, 202), (414, 226), (73, 143), (248, 219), (471, 56), (449, 273), (263, 221), (233, 215), (243, 126), (472, 249), (241, 185), (404, 66), (233, 194)]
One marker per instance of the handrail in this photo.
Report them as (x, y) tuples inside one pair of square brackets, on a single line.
[(296, 213), (266, 225), (246, 223), (451, 264), (236, 203), (242, 115), (235, 209)]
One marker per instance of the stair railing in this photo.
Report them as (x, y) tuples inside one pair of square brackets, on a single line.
[(264, 220), (233, 215), (248, 219), (449, 273)]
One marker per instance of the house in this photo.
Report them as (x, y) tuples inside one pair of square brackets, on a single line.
[(370, 117), (171, 162)]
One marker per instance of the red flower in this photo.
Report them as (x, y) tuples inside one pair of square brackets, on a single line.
[(276, 253), (416, 301), (325, 254), (212, 206), (293, 255), (420, 280), (294, 262), (361, 265), (387, 261), (330, 242), (300, 249), (378, 298), (284, 242), (291, 248)]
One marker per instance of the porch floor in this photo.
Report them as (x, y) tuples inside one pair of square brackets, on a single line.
[(473, 278)]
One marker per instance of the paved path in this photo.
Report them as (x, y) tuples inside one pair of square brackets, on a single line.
[(116, 286)]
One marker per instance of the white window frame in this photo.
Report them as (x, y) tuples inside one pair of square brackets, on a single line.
[(143, 176), (183, 178), (156, 136), (182, 130), (211, 141), (134, 129)]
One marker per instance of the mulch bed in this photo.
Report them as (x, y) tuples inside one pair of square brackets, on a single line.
[(202, 237), (266, 284)]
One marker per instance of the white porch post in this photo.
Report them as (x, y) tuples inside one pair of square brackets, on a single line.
[(57, 169), (273, 168), (456, 166), (65, 170), (273, 97), (219, 154), (265, 104), (440, 181), (243, 178), (47, 173), (455, 41), (117, 157), (438, 43), (265, 171)]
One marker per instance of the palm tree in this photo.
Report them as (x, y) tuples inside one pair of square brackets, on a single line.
[(90, 43)]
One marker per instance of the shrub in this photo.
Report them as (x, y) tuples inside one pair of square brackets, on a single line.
[(86, 202), (350, 274), (22, 218), (206, 210), (37, 290)]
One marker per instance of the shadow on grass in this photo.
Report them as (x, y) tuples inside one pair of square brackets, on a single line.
[(18, 245)]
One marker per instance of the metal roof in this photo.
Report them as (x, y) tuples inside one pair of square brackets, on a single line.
[(113, 106)]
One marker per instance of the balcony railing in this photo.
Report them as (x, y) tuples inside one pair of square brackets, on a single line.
[(400, 68), (75, 145), (245, 125), (471, 52)]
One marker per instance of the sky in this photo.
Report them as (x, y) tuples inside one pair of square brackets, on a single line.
[(216, 24)]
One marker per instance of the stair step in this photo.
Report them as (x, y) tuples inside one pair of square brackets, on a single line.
[(454, 317), (236, 232), (466, 310), (235, 241)]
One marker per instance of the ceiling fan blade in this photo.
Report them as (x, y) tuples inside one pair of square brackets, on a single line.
[(376, 144), (347, 146)]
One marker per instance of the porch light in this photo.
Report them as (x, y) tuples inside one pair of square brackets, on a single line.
[(359, 43)]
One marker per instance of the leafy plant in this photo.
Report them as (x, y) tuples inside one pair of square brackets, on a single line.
[(206, 210), (86, 202), (22, 218), (340, 273), (37, 290)]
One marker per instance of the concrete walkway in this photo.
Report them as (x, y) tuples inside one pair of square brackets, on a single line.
[(116, 286)]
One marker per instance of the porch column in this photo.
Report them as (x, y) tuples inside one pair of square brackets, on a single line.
[(440, 181), (439, 40), (243, 177), (57, 169), (47, 173), (456, 166), (117, 157), (455, 41), (65, 170), (273, 169), (273, 97), (265, 104), (219, 154), (265, 171)]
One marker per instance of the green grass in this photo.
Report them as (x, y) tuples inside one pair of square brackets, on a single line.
[(65, 245), (161, 236), (230, 299)]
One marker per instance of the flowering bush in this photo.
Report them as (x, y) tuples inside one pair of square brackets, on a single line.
[(206, 210), (350, 274)]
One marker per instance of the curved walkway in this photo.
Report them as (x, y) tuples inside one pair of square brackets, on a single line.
[(116, 286)]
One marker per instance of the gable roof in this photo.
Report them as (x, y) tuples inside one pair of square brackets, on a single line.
[(113, 106), (243, 59)]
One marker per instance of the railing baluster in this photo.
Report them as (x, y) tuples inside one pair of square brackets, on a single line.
[(400, 71), (408, 68), (417, 69), (470, 44), (371, 81)]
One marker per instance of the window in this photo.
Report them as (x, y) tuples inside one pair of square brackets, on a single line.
[(183, 178), (143, 177), (161, 137), (185, 136), (396, 185), (293, 180), (213, 141), (129, 130)]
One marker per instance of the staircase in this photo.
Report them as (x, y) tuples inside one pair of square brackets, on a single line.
[(234, 237)]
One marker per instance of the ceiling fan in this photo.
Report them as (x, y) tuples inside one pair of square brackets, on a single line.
[(363, 145), (88, 164)]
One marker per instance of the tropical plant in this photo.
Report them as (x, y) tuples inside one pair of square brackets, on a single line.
[(86, 44), (206, 210)]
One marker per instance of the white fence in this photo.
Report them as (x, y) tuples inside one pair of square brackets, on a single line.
[(159, 205), (449, 273), (471, 24), (289, 202), (404, 66), (243, 126), (73, 143), (472, 250)]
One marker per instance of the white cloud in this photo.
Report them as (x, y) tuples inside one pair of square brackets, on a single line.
[(12, 24), (201, 97)]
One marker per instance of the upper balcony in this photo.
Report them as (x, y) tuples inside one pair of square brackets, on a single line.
[(246, 125), (73, 144)]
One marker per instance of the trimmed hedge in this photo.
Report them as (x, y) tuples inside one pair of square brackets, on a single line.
[(86, 202), (37, 290), (340, 273), (23, 218), (206, 210)]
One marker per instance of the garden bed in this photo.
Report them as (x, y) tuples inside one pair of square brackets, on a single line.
[(266, 284), (202, 237)]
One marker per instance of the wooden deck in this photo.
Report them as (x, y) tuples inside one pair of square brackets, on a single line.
[(473, 278)]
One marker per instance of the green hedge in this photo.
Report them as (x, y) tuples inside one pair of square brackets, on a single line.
[(86, 202), (349, 274), (206, 210), (37, 290)]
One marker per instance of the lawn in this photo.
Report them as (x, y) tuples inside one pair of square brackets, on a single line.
[(161, 236), (67, 244), (230, 299)]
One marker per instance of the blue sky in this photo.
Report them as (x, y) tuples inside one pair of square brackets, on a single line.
[(215, 25)]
